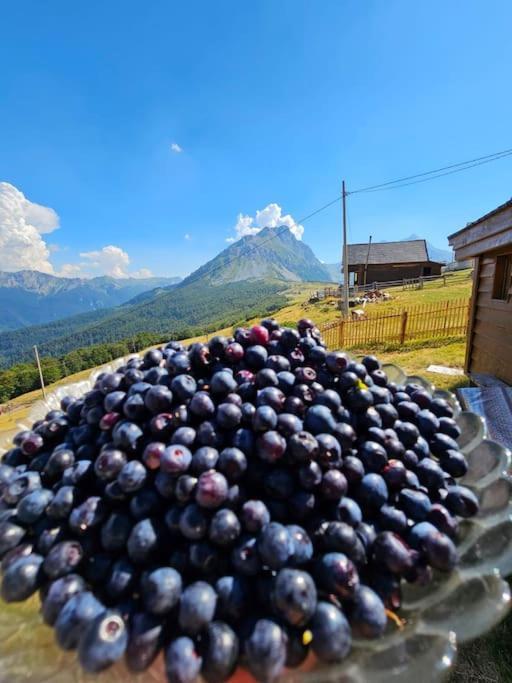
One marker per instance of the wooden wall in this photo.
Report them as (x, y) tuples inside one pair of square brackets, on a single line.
[(387, 272), (490, 340)]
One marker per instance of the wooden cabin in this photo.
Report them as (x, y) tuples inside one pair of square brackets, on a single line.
[(388, 261), (488, 240)]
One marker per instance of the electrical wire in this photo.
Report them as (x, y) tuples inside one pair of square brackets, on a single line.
[(452, 168), (439, 175), (390, 185)]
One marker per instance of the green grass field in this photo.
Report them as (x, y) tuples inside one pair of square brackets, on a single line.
[(458, 286)]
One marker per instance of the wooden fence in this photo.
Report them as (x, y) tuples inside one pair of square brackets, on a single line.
[(455, 277), (426, 321)]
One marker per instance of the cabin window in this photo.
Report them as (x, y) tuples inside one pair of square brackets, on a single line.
[(427, 271), (502, 277)]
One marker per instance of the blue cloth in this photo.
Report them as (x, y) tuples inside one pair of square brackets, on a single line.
[(495, 405)]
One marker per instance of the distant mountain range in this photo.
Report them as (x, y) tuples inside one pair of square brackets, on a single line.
[(28, 297), (334, 270), (247, 278)]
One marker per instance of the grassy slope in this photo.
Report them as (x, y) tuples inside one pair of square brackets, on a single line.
[(457, 286), (20, 406)]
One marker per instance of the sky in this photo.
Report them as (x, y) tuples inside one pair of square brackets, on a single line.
[(140, 138)]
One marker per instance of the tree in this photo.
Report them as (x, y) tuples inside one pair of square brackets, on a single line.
[(52, 369)]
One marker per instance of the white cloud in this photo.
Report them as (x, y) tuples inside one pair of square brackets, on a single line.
[(244, 226), (21, 224), (109, 260), (141, 273), (176, 148), (22, 247), (269, 217), (42, 217), (70, 270), (186, 236)]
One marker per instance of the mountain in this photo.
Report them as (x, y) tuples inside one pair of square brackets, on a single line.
[(439, 255), (181, 312), (248, 278), (270, 254), (435, 253), (28, 297), (334, 270)]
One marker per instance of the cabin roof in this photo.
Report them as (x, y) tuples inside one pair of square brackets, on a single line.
[(411, 251), (502, 207)]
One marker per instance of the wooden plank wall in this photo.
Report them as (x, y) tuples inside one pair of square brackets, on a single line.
[(383, 272), (491, 347)]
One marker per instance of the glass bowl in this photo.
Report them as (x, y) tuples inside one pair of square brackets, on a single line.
[(452, 609)]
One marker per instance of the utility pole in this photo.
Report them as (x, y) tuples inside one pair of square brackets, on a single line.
[(40, 371), (345, 253), (367, 259)]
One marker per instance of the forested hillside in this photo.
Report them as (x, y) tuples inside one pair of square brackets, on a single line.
[(243, 280), (177, 313), (28, 297)]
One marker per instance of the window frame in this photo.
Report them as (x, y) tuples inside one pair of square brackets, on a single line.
[(502, 280)]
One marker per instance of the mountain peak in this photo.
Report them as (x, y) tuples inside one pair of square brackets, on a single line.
[(271, 253), (279, 232)]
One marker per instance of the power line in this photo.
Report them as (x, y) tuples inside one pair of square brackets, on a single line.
[(392, 184), (439, 175), (325, 206), (461, 166)]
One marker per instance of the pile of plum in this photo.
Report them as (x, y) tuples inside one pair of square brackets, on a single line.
[(242, 502)]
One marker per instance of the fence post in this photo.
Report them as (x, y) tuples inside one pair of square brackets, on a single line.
[(403, 327), (444, 280), (446, 311), (341, 328)]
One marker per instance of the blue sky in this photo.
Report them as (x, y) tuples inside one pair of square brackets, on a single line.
[(273, 101)]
